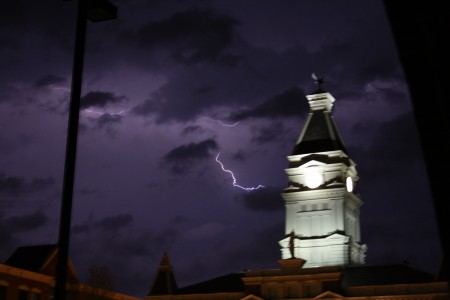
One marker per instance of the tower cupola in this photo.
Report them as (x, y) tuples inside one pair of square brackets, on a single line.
[(322, 206)]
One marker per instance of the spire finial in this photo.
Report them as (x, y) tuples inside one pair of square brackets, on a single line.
[(318, 81)]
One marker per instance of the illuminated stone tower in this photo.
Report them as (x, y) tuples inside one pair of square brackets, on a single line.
[(322, 208)]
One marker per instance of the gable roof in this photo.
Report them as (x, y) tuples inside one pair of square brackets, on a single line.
[(329, 295), (40, 259), (252, 297), (31, 258)]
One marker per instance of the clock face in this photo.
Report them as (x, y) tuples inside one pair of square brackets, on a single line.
[(313, 179), (349, 184)]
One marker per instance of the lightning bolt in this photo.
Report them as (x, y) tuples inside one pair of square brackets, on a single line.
[(234, 178), (60, 88), (102, 113), (220, 122)]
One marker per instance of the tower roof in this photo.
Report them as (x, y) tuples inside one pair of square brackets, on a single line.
[(320, 133), (164, 282)]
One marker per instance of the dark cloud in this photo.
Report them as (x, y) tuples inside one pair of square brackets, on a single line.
[(371, 59), (9, 43), (184, 99), (26, 222), (181, 158), (147, 107), (192, 129), (191, 36), (263, 199), (267, 237), (393, 95), (269, 133), (99, 99), (114, 223), (59, 105), (108, 224), (245, 256), (49, 79), (108, 235), (15, 186), (88, 191), (395, 144), (46, 18), (11, 185), (381, 67), (240, 155), (180, 219), (38, 184), (290, 103), (192, 151), (203, 90), (386, 89), (6, 92), (108, 119), (267, 72), (81, 228), (171, 103)]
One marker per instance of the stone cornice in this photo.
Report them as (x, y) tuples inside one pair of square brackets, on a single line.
[(314, 194)]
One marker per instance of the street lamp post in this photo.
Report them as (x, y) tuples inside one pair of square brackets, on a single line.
[(96, 11)]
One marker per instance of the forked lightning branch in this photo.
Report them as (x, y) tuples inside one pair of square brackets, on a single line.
[(234, 178)]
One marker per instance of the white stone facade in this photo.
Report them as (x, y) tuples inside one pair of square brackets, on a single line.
[(322, 207)]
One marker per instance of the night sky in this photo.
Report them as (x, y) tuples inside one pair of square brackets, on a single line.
[(169, 85)]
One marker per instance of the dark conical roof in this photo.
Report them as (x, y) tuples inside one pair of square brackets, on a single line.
[(320, 133), (164, 282)]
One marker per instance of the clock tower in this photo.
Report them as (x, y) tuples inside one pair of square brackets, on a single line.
[(322, 208)]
